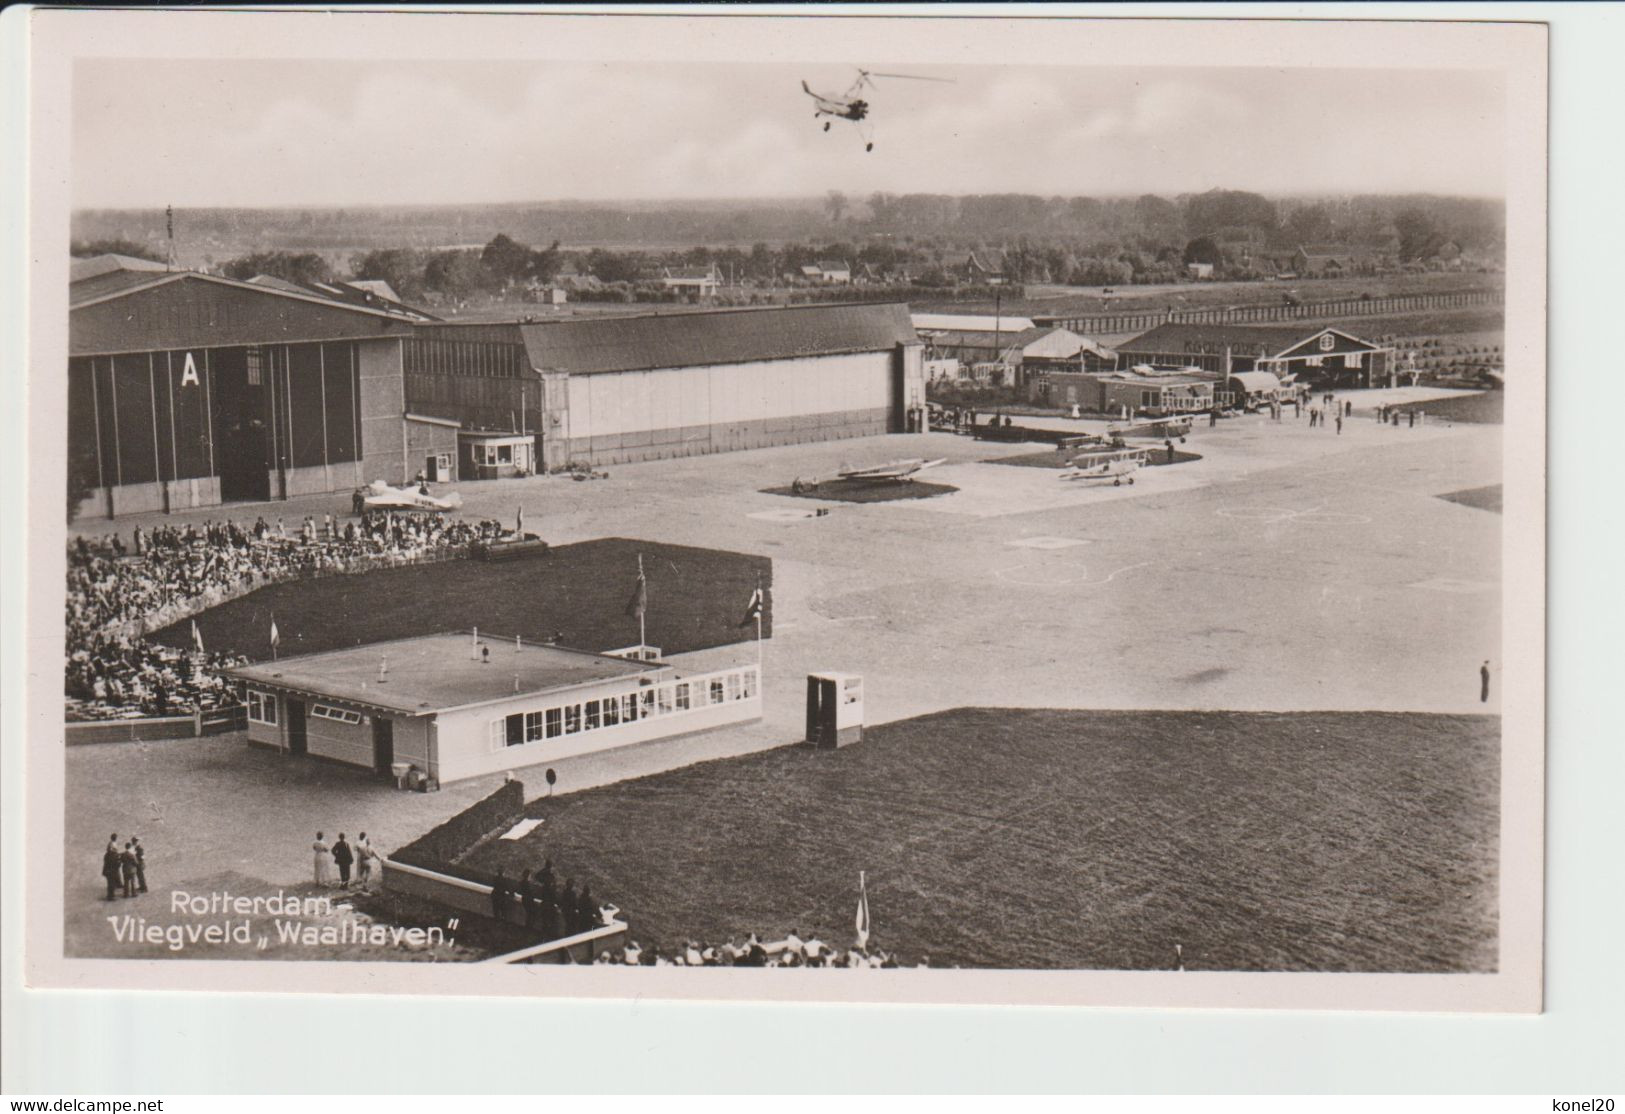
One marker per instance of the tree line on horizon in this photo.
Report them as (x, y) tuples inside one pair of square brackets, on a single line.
[(1080, 240)]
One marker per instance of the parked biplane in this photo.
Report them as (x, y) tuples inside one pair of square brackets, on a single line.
[(1174, 426), (1114, 465)]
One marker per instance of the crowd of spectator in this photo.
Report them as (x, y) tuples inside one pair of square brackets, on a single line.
[(792, 951), (118, 592), (543, 905)]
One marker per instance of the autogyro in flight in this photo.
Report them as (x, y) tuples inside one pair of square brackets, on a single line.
[(850, 105)]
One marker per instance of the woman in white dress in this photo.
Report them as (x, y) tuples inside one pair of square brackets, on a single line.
[(324, 861)]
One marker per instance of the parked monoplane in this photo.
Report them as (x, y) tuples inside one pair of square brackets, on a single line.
[(381, 497), (891, 470)]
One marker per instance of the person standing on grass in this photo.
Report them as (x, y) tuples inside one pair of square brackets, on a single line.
[(111, 871), (1484, 683), (343, 856), (324, 861), (1340, 425)]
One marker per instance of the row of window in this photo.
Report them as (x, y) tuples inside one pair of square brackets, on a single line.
[(491, 359), (338, 715), (261, 707), (502, 454), (612, 711)]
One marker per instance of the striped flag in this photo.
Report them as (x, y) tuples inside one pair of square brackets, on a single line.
[(639, 603), (197, 637), (753, 610), (863, 912)]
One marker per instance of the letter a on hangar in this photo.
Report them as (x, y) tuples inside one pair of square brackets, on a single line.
[(189, 372)]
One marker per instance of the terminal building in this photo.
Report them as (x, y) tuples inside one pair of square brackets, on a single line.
[(451, 706), (190, 390), (1309, 354)]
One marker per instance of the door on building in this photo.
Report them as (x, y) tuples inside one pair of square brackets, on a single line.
[(296, 727), (431, 468), (383, 744), (238, 414)]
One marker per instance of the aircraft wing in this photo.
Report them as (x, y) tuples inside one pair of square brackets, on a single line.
[(386, 498), (892, 470)]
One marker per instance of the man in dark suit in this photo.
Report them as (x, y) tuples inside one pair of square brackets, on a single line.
[(343, 856), (527, 899), (499, 897), (140, 864), (111, 871)]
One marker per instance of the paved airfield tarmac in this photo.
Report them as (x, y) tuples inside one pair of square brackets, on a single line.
[(1288, 569)]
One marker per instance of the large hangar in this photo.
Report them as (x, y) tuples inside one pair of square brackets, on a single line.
[(188, 390), (615, 389)]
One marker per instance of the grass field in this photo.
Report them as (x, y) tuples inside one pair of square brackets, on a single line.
[(866, 491), (1068, 839), (1484, 498), (579, 592), (1486, 408)]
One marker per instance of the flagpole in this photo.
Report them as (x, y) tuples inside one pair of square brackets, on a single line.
[(761, 601), (643, 638)]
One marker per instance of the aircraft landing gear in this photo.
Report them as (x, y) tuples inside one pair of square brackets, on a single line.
[(826, 125), (868, 146)]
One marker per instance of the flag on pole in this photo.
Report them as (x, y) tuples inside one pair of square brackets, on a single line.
[(863, 912), (639, 603), (276, 639), (519, 521), (474, 647), (753, 610), (197, 637)]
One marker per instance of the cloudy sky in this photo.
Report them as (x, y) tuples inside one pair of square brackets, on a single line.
[(207, 133)]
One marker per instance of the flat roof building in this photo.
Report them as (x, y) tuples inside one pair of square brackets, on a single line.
[(460, 705)]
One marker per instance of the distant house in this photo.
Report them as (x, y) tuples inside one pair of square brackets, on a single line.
[(1334, 260), (704, 281), (987, 268), (1199, 270), (829, 272)]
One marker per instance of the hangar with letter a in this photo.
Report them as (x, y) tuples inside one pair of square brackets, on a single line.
[(190, 390)]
